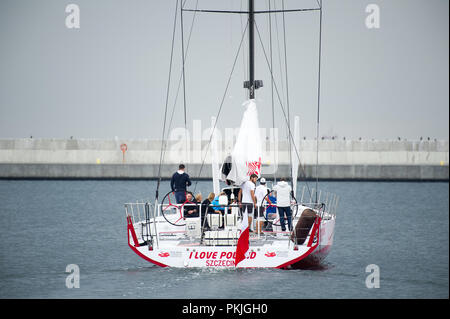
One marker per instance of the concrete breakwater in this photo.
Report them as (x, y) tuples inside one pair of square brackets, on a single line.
[(139, 159)]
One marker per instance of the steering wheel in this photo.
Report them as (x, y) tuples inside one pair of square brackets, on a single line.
[(276, 221), (176, 216)]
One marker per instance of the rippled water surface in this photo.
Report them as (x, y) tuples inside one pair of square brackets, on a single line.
[(47, 225)]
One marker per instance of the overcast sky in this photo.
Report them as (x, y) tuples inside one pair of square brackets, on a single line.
[(109, 77)]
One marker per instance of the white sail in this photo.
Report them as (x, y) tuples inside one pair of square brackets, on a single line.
[(245, 158)]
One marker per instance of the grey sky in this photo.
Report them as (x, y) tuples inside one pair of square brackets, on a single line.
[(109, 77)]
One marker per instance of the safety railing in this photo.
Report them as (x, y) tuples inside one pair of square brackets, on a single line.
[(226, 219), (143, 216), (327, 200)]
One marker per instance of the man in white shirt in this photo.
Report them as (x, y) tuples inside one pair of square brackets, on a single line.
[(247, 199), (261, 192), (284, 190)]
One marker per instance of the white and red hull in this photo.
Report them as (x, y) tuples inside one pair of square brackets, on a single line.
[(276, 252)]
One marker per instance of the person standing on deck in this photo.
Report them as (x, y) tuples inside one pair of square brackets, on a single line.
[(247, 199), (260, 192), (179, 183), (261, 199), (284, 190)]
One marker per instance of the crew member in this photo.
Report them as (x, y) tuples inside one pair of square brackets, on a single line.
[(247, 199), (191, 208), (283, 191), (179, 183), (261, 192)]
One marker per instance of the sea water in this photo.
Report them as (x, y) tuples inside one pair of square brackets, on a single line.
[(46, 225)]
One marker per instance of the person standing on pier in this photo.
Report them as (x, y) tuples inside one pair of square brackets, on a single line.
[(179, 183)]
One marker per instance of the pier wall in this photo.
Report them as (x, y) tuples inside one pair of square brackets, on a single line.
[(338, 159)]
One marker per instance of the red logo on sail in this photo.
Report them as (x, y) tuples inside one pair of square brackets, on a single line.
[(270, 254), (163, 254), (254, 167)]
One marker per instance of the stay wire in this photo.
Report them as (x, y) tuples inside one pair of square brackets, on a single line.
[(282, 108), (287, 95), (271, 81), (184, 77), (318, 98), (279, 50), (245, 69), (181, 74), (167, 101), (220, 107)]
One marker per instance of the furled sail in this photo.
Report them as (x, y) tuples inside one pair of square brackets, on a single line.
[(245, 159)]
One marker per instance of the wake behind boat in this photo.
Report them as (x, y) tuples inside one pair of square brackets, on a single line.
[(182, 232)]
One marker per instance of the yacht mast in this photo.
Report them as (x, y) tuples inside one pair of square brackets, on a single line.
[(252, 84), (251, 47)]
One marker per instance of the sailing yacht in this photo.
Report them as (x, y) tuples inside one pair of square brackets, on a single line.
[(163, 234)]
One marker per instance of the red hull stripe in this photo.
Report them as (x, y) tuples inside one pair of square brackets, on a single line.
[(299, 258), (240, 251), (130, 228), (311, 239), (313, 233), (146, 258)]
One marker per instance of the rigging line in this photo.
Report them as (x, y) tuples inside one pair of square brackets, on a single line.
[(271, 81), (318, 97), (279, 51), (282, 108), (167, 101), (287, 94), (243, 56), (215, 11), (288, 10), (284, 113), (246, 12), (184, 77), (221, 105), (181, 74)]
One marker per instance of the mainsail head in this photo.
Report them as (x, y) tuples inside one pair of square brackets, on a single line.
[(245, 159)]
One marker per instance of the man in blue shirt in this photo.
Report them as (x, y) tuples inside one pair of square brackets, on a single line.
[(179, 183)]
